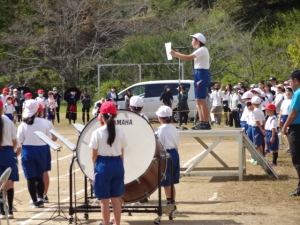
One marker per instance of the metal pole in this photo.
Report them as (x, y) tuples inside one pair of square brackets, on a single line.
[(140, 72), (182, 71), (99, 82)]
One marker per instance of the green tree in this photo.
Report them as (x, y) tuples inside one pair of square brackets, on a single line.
[(294, 52)]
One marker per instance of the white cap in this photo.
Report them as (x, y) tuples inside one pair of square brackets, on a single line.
[(257, 90), (247, 94), (256, 100), (136, 101), (199, 37), (31, 107), (164, 111), (15, 89)]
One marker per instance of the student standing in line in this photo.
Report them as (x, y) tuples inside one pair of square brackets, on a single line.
[(216, 109), (169, 138), (226, 96), (57, 97), (85, 100), (201, 77), (8, 144), (108, 143)]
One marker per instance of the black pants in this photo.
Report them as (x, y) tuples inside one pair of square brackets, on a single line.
[(226, 113), (19, 113), (294, 134), (87, 111), (57, 114), (234, 116), (185, 117)]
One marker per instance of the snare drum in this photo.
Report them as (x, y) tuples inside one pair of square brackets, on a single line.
[(141, 155)]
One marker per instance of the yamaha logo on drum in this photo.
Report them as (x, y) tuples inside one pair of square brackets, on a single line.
[(124, 122)]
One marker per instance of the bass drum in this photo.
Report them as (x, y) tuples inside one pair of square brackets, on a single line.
[(141, 155)]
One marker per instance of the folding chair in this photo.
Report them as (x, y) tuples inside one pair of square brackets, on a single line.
[(3, 179)]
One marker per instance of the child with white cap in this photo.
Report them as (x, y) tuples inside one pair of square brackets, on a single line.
[(136, 104), (256, 124), (42, 100), (246, 97), (9, 108), (201, 77), (34, 151), (169, 138)]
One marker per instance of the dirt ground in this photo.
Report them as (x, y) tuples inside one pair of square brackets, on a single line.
[(200, 200)]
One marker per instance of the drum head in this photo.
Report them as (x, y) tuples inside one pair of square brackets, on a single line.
[(138, 154)]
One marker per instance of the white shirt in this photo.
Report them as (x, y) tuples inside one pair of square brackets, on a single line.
[(26, 135), (264, 103), (52, 104), (216, 98), (256, 115), (9, 131), (285, 106), (42, 101), (3, 99), (270, 97), (168, 136), (99, 141), (271, 123), (9, 109), (202, 58), (245, 114), (278, 100), (227, 96)]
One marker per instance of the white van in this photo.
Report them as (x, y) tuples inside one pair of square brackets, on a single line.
[(151, 91)]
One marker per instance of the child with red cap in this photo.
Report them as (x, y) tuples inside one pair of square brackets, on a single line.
[(108, 143), (9, 108), (42, 100), (271, 132), (3, 96)]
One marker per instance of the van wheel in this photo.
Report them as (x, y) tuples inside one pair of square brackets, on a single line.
[(175, 116)]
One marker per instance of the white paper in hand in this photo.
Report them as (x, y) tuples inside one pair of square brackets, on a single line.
[(168, 48)]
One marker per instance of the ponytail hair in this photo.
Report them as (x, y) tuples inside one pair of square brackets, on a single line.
[(29, 120), (110, 122), (1, 131)]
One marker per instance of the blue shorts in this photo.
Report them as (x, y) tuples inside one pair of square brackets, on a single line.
[(201, 83), (257, 136), (244, 125), (109, 177), (176, 168), (48, 160), (284, 118), (50, 115), (249, 132), (8, 159), (275, 145), (10, 116), (34, 160)]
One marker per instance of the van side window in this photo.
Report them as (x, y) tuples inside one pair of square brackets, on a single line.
[(139, 90), (121, 96), (154, 90)]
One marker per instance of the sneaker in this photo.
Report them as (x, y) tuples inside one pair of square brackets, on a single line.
[(197, 127), (272, 164), (10, 216), (255, 163), (41, 204), (252, 160), (288, 150), (295, 193), (45, 199), (112, 220), (34, 205)]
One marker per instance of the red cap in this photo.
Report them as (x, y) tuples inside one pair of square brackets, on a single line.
[(5, 90), (108, 108), (270, 106), (41, 109), (28, 94), (8, 96), (1, 103), (40, 91)]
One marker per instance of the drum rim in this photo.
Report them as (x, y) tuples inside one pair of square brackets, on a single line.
[(95, 118)]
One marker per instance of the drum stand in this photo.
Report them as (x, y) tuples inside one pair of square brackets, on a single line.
[(58, 209)]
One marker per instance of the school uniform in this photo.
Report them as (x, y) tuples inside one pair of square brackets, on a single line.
[(43, 102), (52, 105), (285, 107), (109, 168), (271, 124), (34, 150), (7, 153), (9, 110), (169, 138), (254, 132)]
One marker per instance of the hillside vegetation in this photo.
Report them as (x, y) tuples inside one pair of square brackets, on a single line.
[(46, 43)]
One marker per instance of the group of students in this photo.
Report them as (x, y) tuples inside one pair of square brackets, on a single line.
[(263, 121), (35, 154), (108, 143)]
